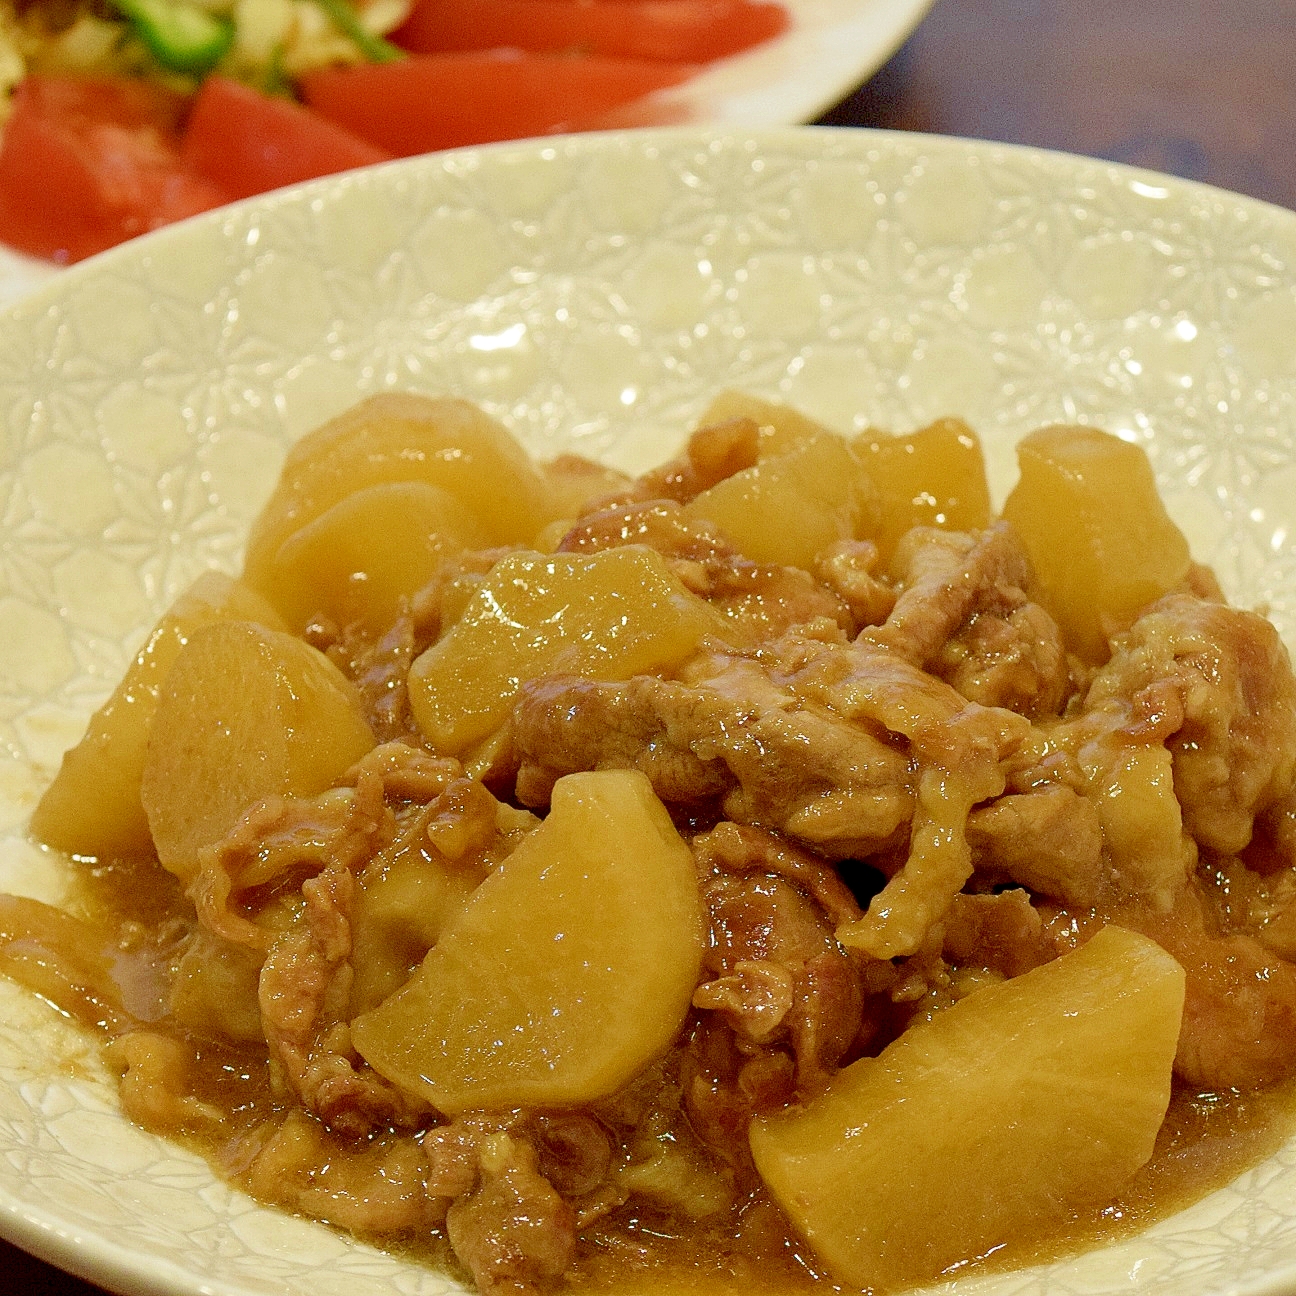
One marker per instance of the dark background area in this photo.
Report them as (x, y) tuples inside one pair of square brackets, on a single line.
[(1197, 88)]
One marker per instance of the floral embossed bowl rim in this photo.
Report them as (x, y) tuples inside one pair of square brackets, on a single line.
[(593, 292)]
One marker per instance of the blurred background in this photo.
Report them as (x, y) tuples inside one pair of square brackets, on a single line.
[(1200, 90)]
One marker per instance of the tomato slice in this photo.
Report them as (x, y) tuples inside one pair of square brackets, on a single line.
[(675, 31), (436, 101), (248, 142), (90, 162)]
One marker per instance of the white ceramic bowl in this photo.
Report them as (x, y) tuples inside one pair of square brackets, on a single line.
[(593, 292)]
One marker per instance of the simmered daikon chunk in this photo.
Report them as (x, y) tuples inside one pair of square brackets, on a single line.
[(933, 477), (1100, 540), (401, 437), (789, 507), (568, 971), (93, 806), (358, 559), (607, 616), (245, 713), (987, 1125)]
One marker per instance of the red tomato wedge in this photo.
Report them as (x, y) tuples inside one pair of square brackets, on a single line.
[(87, 163), (249, 143), (436, 101), (673, 31)]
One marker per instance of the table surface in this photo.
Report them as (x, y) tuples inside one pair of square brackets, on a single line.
[(1196, 89), (1185, 86)]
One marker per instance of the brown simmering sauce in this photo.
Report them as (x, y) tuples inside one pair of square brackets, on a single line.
[(775, 872), (1205, 1142)]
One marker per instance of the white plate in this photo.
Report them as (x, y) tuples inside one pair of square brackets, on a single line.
[(593, 292), (19, 274), (832, 46)]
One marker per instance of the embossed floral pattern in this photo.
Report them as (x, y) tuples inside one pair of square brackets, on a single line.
[(592, 292)]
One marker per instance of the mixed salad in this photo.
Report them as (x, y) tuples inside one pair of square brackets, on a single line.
[(119, 116)]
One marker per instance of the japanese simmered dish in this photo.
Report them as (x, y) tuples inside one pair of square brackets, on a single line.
[(775, 870)]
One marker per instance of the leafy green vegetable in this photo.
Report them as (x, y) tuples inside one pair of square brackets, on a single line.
[(182, 37), (345, 19)]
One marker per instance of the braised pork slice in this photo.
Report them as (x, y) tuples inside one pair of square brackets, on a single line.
[(317, 847), (1001, 933), (768, 759), (1014, 659), (512, 1229), (737, 848), (841, 746), (304, 993), (1221, 682), (712, 454), (850, 569), (1049, 840), (276, 844), (1239, 1022), (696, 548), (963, 614), (1279, 823), (372, 1188), (777, 974), (959, 751)]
